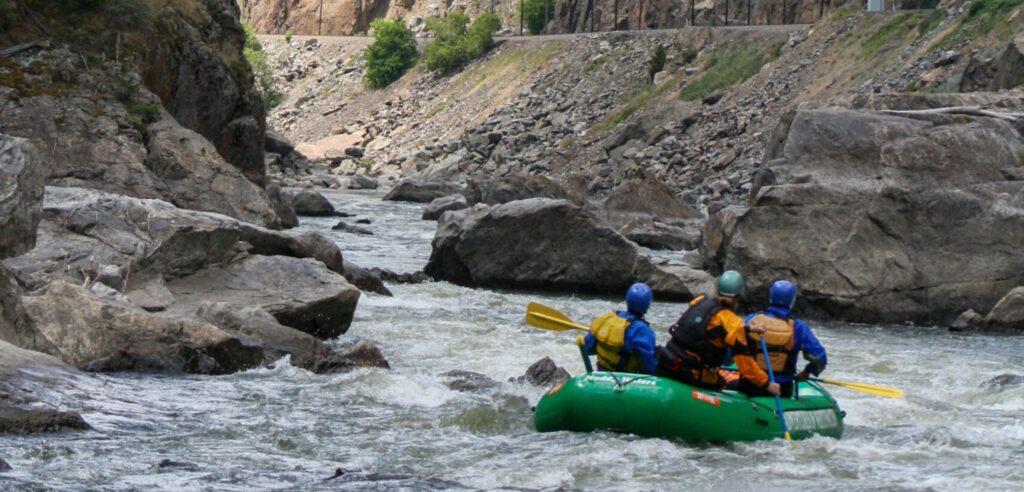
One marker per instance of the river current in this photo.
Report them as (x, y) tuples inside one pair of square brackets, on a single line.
[(404, 428)]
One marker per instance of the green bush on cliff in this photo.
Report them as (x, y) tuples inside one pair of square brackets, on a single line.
[(257, 59), (656, 62), (454, 44), (392, 53), (534, 15), (726, 68)]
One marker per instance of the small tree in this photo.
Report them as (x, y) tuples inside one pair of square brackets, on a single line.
[(537, 13), (656, 62), (392, 53), (454, 44), (257, 58)]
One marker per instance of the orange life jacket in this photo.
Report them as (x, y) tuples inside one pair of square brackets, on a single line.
[(780, 341)]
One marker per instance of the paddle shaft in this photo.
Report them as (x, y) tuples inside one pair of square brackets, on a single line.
[(870, 389), (771, 379), (562, 322)]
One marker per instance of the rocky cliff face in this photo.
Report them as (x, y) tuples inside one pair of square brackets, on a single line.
[(344, 17), (885, 215)]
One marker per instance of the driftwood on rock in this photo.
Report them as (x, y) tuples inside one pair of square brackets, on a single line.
[(18, 48)]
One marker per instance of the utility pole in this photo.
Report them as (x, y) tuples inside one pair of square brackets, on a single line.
[(693, 15), (748, 12), (615, 22), (727, 12), (521, 17), (320, 21)]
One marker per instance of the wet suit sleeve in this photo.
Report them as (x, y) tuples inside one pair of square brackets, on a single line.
[(736, 339), (590, 343), (640, 342), (813, 350)]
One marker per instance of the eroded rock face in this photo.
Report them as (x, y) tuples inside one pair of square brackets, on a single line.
[(882, 217), (547, 244), (187, 67), (100, 335), (1002, 72), (21, 195)]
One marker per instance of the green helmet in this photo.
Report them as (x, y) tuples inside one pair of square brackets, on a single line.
[(730, 284)]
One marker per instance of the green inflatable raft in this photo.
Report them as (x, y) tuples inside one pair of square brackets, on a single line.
[(659, 407)]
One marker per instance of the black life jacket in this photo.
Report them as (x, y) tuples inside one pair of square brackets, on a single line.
[(690, 334)]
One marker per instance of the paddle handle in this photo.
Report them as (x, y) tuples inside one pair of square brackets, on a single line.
[(581, 342), (771, 379)]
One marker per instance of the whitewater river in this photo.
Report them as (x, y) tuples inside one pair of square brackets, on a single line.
[(285, 428)]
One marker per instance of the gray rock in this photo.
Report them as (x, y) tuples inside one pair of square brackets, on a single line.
[(1009, 311), (1002, 72), (468, 381), (544, 372), (645, 197), (660, 236), (364, 182), (37, 420), (278, 143), (301, 294), (366, 280), (286, 216), (354, 229), (151, 295), (98, 335), (4, 467), (311, 203), (509, 188), (873, 199), (967, 320), (360, 354), (21, 195), (420, 192), (537, 244), (1004, 380), (439, 206)]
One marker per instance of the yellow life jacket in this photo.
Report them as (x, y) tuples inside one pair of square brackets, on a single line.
[(610, 331), (779, 339)]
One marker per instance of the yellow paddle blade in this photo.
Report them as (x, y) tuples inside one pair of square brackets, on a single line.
[(866, 388), (546, 318)]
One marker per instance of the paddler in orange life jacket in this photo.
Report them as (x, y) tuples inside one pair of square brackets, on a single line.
[(785, 337), (622, 340), (705, 333)]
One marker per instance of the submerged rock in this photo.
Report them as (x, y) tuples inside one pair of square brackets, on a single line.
[(4, 467), (544, 372), (1004, 380), (354, 229), (470, 381), (36, 420), (167, 464)]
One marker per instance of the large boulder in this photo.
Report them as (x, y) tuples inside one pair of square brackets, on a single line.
[(1003, 71), (546, 244), (21, 195), (97, 334), (510, 188), (196, 177), (1009, 311), (441, 205), (311, 203), (645, 197), (882, 217), (85, 230), (420, 191), (301, 294), (27, 376), (304, 350)]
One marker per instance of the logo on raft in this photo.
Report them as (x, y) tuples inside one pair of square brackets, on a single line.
[(706, 398), (598, 377)]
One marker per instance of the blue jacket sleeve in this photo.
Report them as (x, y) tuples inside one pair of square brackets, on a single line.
[(590, 343), (640, 342), (813, 350)]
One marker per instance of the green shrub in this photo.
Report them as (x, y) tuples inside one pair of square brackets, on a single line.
[(288, 36), (126, 14), (392, 53), (725, 69), (257, 58), (535, 16), (983, 17), (881, 37), (454, 44), (8, 14), (935, 17), (656, 62)]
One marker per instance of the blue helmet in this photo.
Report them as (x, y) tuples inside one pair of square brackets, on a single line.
[(782, 294), (639, 297)]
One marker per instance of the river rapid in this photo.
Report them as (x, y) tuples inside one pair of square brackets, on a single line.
[(404, 428)]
